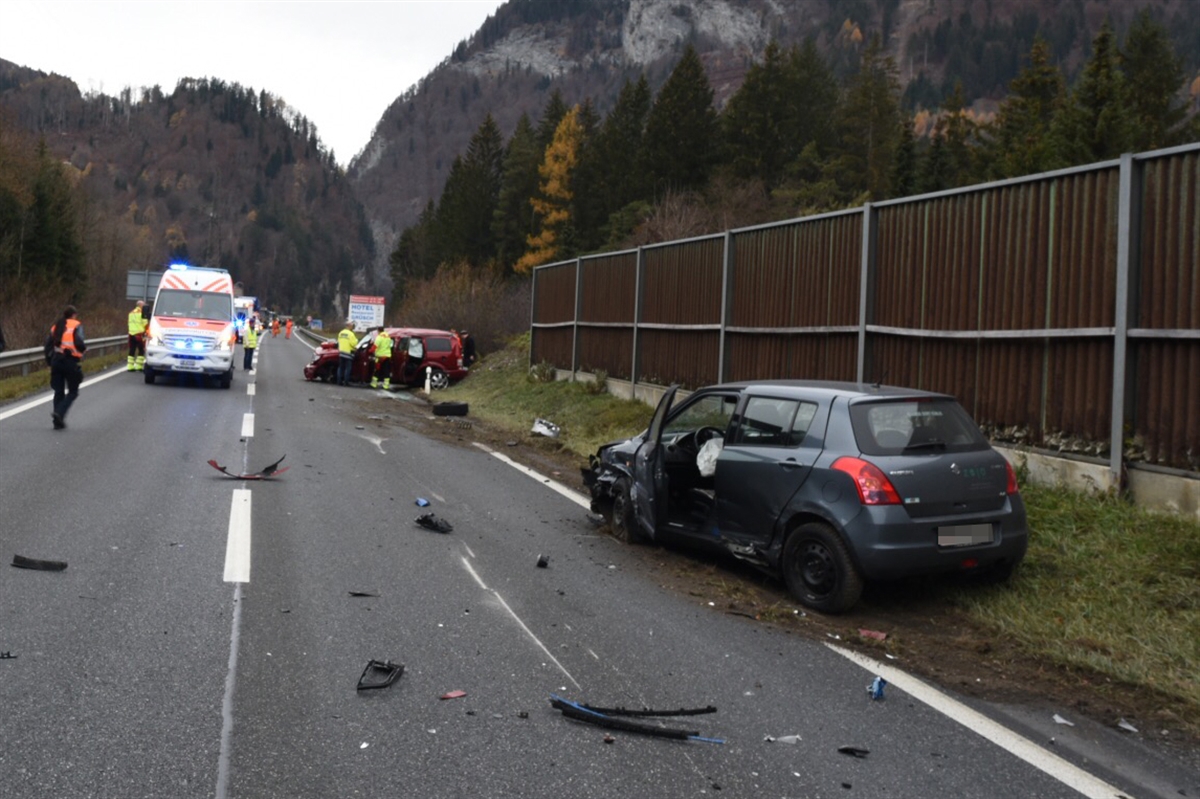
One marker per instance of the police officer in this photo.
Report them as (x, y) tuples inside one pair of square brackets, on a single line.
[(64, 349), (249, 343), (383, 360), (347, 341), (137, 338)]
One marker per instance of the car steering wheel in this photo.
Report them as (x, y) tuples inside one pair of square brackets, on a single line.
[(706, 434)]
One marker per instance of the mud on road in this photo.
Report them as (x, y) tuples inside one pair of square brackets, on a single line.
[(924, 632)]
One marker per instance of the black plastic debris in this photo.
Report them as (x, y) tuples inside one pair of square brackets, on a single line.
[(364, 593), (619, 719), (430, 521), (379, 674), (267, 472), (7, 656), (543, 562), (854, 751), (22, 562)]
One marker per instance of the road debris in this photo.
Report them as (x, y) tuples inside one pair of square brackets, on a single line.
[(7, 656), (364, 593), (854, 751), (422, 502), (783, 739), (453, 695), (1125, 725), (875, 634), (545, 427), (267, 472), (379, 674), (1060, 720), (543, 562), (430, 521), (22, 562), (875, 689), (618, 719)]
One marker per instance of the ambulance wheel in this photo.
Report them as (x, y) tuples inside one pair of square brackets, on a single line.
[(148, 376), (227, 379)]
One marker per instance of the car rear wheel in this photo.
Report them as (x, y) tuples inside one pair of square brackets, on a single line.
[(624, 525), (438, 379), (818, 570)]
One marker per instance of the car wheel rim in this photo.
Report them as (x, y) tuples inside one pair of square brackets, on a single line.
[(818, 570), (618, 512), (440, 380)]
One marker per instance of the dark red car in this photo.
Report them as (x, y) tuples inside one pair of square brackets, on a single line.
[(442, 355)]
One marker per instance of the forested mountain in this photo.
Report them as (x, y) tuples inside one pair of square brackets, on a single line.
[(569, 126), (586, 50), (212, 173)]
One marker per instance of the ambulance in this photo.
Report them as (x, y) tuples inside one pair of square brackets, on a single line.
[(191, 327)]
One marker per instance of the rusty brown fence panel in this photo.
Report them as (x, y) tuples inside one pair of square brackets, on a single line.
[(1062, 309)]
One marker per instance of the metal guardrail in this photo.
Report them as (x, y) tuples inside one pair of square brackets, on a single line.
[(25, 359)]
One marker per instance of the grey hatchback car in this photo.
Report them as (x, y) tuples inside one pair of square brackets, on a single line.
[(825, 484)]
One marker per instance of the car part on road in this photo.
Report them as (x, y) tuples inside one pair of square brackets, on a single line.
[(11, 656), (364, 593), (611, 719), (453, 695), (267, 472), (22, 562), (430, 521), (854, 751), (450, 408), (545, 427), (543, 562), (379, 674), (422, 502), (875, 689)]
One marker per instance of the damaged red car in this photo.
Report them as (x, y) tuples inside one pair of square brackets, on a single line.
[(414, 350)]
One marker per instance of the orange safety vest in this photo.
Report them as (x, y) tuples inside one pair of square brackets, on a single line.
[(68, 340)]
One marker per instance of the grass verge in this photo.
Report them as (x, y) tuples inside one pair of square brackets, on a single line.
[(21, 385), (1108, 591)]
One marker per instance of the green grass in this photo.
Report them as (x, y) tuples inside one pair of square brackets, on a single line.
[(1107, 589)]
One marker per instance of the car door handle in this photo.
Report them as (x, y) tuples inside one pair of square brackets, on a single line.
[(790, 463)]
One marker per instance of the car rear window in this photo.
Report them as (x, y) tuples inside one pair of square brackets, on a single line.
[(914, 426)]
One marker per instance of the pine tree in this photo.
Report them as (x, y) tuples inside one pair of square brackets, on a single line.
[(958, 131), (553, 202), (619, 146), (513, 219), (556, 108), (52, 250), (1151, 65), (868, 126), (412, 258), (681, 130), (588, 210), (904, 169), (754, 126), (1018, 141), (1097, 121)]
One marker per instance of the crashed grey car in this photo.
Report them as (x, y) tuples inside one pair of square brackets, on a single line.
[(825, 484)]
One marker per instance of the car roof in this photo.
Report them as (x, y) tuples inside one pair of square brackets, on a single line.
[(417, 331), (827, 389)]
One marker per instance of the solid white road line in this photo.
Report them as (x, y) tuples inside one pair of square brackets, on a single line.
[(237, 547), (50, 397), (248, 425), (1053, 765), (223, 756), (574, 496), (517, 619)]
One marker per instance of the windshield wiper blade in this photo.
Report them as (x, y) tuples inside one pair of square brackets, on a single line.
[(926, 445)]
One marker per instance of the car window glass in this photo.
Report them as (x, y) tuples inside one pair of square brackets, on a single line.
[(766, 422), (914, 426), (800, 424), (435, 344), (711, 410)]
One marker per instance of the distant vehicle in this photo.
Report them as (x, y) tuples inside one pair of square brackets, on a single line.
[(442, 356), (244, 308), (824, 484), (191, 326)]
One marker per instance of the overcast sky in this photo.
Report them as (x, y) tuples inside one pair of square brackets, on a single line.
[(338, 62)]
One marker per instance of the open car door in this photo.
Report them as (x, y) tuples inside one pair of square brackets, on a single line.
[(649, 489)]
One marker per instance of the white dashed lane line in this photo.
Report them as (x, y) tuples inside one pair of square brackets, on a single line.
[(248, 425), (237, 547)]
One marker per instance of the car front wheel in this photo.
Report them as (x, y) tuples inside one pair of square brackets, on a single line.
[(624, 524), (818, 570)]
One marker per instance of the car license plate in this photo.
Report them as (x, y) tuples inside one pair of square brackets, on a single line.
[(964, 535), (188, 367)]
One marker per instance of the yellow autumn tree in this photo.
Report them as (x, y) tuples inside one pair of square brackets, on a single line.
[(553, 205)]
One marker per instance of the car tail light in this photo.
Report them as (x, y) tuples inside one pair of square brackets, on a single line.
[(873, 486), (1012, 487)]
